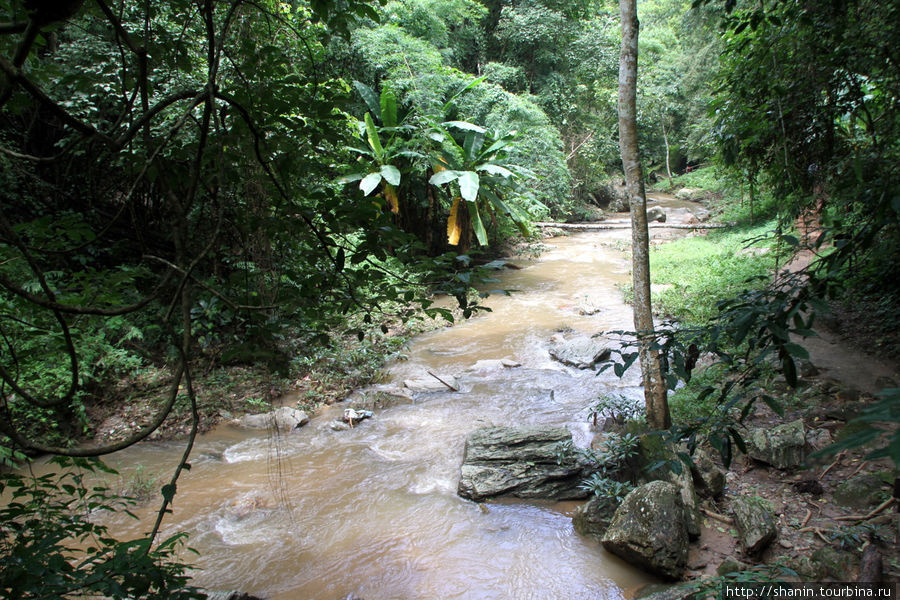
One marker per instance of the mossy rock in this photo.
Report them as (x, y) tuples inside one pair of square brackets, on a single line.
[(731, 565), (859, 491), (829, 562), (592, 518)]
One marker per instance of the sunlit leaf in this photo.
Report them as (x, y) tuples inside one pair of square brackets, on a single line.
[(391, 174), (468, 185), (369, 183), (442, 177)]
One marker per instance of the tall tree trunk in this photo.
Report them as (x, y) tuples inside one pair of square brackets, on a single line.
[(668, 160), (655, 396)]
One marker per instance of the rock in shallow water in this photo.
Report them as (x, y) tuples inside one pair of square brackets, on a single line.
[(582, 352), (285, 418), (649, 530), (521, 462)]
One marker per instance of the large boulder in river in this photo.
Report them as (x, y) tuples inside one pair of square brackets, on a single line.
[(581, 352), (284, 418), (525, 462), (782, 446), (649, 530)]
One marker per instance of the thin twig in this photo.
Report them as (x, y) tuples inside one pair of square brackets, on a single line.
[(806, 518)]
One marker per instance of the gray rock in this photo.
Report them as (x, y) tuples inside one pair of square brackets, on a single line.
[(493, 365), (731, 565), (818, 438), (380, 396), (689, 194), (859, 491), (339, 426), (593, 517), (755, 523), (656, 214), (521, 462), (588, 306), (285, 418), (685, 483), (431, 385), (781, 446), (582, 352), (828, 562), (353, 416), (708, 476), (806, 368), (655, 591), (649, 530)]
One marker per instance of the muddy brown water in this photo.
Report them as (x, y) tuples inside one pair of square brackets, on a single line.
[(320, 514)]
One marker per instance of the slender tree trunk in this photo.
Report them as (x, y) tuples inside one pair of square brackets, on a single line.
[(655, 395), (666, 142)]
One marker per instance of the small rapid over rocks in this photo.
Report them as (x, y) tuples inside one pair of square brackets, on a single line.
[(373, 509)]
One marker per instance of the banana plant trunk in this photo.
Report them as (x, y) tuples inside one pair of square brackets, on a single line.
[(655, 396)]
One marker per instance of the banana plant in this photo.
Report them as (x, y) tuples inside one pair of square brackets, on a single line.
[(386, 145), (474, 166)]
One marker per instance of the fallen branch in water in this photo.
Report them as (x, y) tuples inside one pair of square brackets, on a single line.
[(442, 381)]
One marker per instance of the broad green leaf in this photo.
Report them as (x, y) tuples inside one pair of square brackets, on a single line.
[(472, 145), (369, 97), (388, 108), (442, 177), (369, 183), (468, 185), (351, 177), (464, 125), (391, 174), (493, 169), (797, 351), (477, 225), (372, 136)]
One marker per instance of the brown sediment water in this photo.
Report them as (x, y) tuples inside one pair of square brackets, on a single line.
[(320, 514)]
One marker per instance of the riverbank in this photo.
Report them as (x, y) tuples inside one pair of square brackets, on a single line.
[(832, 516)]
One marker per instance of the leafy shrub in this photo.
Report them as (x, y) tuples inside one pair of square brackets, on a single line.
[(51, 548)]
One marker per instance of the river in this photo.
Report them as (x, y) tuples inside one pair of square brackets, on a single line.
[(320, 514)]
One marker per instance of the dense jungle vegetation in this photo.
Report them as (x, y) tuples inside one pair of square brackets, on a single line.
[(197, 183)]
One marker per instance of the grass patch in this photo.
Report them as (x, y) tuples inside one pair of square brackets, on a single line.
[(705, 270)]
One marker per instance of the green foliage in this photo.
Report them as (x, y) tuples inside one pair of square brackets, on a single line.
[(609, 491), (619, 408), (51, 546)]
